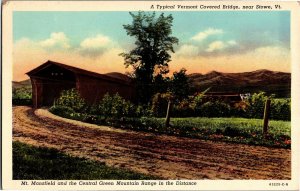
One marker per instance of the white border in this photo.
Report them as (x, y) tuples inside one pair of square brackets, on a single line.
[(11, 6)]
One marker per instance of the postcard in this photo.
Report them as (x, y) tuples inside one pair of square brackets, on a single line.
[(150, 95)]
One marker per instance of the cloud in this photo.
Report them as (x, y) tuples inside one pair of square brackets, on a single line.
[(100, 41), (276, 58), (28, 54), (231, 42), (220, 45), (205, 34), (188, 51), (96, 46), (56, 40)]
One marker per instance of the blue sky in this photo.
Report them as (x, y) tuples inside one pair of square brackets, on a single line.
[(79, 25), (202, 35)]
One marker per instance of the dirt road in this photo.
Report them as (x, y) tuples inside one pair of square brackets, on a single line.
[(168, 157)]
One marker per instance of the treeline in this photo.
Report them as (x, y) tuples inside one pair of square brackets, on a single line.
[(114, 106)]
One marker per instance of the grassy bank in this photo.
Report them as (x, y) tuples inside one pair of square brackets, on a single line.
[(236, 130), (37, 163)]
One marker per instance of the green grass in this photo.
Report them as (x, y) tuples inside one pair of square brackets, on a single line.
[(236, 130), (243, 124), (37, 163)]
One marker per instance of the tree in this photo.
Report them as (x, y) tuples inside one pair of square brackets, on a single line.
[(161, 84), (151, 55), (180, 84)]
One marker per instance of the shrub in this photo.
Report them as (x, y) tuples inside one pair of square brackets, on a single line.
[(115, 106), (280, 109), (239, 109), (21, 93), (159, 105), (256, 105), (21, 96), (183, 109), (71, 98), (60, 110), (215, 109)]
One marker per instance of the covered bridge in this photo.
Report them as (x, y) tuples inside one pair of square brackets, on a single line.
[(50, 78)]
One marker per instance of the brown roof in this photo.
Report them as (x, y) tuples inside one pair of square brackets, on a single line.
[(79, 71)]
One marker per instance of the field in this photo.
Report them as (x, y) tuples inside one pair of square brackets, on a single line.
[(153, 154)]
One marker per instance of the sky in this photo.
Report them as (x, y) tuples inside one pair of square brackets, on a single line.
[(225, 41)]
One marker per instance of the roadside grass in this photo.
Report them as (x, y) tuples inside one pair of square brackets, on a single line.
[(37, 163), (236, 130), (243, 124)]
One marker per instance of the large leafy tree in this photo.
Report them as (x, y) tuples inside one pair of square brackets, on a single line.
[(151, 55), (180, 84)]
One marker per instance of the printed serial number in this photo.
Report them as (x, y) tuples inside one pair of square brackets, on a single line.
[(278, 184)]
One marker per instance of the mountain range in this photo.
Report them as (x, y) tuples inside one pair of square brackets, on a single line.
[(271, 82)]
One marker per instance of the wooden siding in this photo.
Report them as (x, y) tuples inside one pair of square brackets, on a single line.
[(49, 79), (93, 89)]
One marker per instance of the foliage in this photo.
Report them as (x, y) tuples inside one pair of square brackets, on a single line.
[(160, 104), (115, 106), (161, 84), (238, 130), (71, 98), (215, 109), (22, 93), (184, 108), (152, 52), (280, 109), (180, 84), (197, 100), (22, 96), (37, 163), (198, 106), (61, 110)]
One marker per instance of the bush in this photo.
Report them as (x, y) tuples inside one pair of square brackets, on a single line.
[(115, 107), (183, 109), (21, 93), (281, 109), (215, 109), (71, 98), (22, 96), (159, 104), (67, 112), (63, 111)]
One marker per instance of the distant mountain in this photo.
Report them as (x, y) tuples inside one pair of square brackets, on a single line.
[(278, 83), (21, 84)]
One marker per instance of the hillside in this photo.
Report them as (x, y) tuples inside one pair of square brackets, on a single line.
[(278, 83), (21, 84)]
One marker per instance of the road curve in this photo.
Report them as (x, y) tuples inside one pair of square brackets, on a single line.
[(168, 157)]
